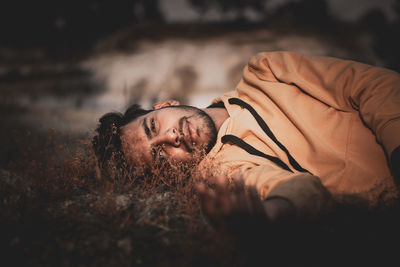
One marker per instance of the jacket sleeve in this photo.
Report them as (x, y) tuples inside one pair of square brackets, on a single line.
[(304, 191), (342, 84)]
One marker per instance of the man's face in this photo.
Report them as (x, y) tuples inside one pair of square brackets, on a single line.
[(176, 134)]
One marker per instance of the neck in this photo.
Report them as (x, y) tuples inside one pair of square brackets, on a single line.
[(218, 115)]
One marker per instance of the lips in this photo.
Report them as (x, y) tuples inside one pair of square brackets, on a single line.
[(189, 135), (193, 133)]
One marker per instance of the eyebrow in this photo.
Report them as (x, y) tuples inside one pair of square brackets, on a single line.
[(146, 128)]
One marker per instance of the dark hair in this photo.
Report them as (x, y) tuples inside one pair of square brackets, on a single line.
[(107, 141)]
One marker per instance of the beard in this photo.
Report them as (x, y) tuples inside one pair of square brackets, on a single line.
[(170, 170), (208, 126)]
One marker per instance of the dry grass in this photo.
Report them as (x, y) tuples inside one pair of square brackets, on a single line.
[(58, 210)]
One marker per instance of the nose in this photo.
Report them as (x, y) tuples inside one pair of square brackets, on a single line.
[(171, 137)]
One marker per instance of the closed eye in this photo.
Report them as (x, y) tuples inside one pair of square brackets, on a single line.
[(146, 129), (153, 125)]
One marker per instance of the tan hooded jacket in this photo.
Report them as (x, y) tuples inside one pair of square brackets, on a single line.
[(296, 120)]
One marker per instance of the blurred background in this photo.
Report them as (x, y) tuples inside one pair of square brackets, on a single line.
[(64, 63)]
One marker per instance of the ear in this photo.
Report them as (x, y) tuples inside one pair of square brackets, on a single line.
[(164, 104)]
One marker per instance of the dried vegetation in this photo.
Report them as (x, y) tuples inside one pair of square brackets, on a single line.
[(58, 210)]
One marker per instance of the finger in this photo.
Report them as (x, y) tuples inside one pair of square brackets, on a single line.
[(202, 192), (255, 202), (200, 187), (210, 204), (238, 183), (207, 199), (222, 181), (223, 196), (221, 186), (239, 193)]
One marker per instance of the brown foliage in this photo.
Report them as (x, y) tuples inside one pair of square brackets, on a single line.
[(57, 209)]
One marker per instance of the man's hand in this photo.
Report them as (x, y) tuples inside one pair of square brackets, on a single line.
[(239, 206), (234, 209), (395, 165), (225, 201)]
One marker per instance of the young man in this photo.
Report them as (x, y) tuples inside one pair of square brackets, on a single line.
[(301, 131)]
